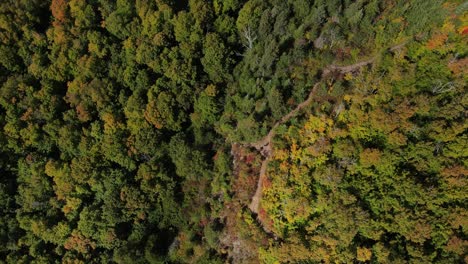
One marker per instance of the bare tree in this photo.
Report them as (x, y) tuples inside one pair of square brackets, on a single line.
[(442, 88), (338, 109), (249, 36)]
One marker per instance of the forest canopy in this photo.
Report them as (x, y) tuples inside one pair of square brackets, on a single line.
[(232, 131)]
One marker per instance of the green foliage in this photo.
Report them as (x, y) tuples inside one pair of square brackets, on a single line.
[(381, 163), (215, 61), (124, 128)]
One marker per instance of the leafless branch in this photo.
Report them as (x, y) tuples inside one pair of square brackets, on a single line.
[(249, 36), (442, 88)]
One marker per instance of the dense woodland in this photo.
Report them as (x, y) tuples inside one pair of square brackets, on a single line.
[(128, 131)]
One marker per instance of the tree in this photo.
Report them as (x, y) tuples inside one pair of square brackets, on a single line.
[(216, 60)]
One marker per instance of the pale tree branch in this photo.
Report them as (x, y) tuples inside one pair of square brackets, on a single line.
[(249, 36)]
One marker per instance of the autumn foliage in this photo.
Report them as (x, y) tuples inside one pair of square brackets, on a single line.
[(229, 131)]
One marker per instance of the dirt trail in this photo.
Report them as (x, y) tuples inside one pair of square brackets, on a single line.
[(346, 69), (264, 145)]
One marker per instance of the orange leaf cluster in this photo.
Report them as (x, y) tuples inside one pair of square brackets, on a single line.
[(58, 8), (437, 41)]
